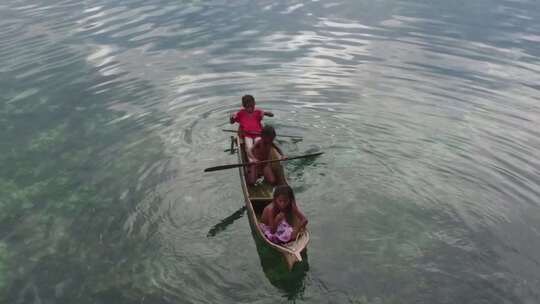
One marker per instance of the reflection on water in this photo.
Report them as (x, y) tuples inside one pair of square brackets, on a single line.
[(290, 282), (427, 112)]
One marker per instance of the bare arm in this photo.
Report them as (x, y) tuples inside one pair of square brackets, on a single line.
[(277, 149), (265, 215), (302, 221), (275, 220), (269, 218)]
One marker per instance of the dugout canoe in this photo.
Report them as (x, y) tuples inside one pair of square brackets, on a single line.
[(260, 195)]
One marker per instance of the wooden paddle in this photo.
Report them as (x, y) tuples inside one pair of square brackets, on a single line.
[(223, 167), (258, 133)]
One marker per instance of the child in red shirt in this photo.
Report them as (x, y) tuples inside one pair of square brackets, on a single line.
[(249, 119)]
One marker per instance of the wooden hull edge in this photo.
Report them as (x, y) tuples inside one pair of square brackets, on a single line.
[(290, 257)]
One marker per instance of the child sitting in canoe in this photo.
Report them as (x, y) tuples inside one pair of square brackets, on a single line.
[(249, 118), (261, 151), (277, 218)]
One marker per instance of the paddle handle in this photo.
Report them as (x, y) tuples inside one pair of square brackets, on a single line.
[(259, 133), (223, 167)]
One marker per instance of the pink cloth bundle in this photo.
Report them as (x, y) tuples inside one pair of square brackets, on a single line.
[(282, 235)]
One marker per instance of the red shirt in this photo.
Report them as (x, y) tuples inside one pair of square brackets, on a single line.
[(250, 121)]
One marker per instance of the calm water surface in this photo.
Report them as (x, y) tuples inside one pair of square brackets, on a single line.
[(427, 111)]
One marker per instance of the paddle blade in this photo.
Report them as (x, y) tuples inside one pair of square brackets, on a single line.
[(306, 155), (223, 167)]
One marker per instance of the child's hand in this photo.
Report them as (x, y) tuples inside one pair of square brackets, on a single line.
[(283, 157), (280, 217)]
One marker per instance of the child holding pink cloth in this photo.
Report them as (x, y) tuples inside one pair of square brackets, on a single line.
[(277, 217)]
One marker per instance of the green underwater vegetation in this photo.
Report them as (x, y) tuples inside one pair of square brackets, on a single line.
[(70, 176)]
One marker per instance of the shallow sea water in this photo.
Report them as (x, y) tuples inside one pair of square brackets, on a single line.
[(428, 114)]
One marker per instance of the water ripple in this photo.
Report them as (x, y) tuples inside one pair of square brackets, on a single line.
[(429, 127)]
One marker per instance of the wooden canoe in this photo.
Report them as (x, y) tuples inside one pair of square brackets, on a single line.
[(260, 195)]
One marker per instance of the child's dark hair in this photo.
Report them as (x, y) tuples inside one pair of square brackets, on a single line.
[(247, 100), (287, 191), (284, 190), (268, 131)]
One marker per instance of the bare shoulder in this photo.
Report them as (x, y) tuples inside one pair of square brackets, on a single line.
[(269, 208)]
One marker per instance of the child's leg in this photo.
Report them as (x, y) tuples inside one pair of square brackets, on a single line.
[(252, 175), (249, 142), (269, 174), (251, 171)]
